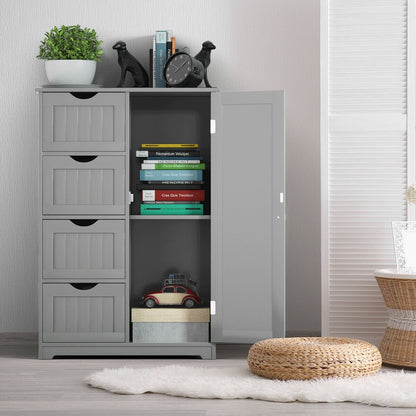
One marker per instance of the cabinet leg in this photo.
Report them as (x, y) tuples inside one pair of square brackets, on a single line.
[(209, 353), (44, 354)]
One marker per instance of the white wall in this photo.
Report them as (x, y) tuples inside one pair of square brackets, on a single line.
[(261, 45)]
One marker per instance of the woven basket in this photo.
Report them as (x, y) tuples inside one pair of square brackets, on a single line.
[(308, 358), (398, 346), (398, 293)]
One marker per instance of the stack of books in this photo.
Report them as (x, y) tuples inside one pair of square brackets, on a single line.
[(163, 48), (172, 171)]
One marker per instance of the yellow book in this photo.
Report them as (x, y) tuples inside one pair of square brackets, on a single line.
[(169, 145)]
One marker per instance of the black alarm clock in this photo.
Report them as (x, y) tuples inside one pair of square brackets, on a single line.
[(182, 70)]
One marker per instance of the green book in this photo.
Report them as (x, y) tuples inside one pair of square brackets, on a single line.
[(173, 166), (171, 209)]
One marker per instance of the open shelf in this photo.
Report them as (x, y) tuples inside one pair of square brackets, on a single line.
[(162, 247), (176, 118)]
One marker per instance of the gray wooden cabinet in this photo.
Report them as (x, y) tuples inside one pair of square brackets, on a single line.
[(98, 255)]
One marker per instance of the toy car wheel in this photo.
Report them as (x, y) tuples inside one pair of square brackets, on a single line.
[(150, 303), (189, 303)]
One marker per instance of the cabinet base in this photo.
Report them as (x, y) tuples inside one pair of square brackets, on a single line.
[(205, 350)]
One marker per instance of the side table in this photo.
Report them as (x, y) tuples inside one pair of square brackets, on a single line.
[(398, 346)]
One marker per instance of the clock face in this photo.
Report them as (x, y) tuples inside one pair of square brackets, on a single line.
[(178, 68)]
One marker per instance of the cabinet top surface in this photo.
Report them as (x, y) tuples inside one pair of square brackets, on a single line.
[(130, 90)]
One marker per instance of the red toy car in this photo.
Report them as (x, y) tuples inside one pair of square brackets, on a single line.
[(178, 289), (172, 295)]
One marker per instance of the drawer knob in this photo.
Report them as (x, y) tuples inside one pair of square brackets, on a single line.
[(83, 286)]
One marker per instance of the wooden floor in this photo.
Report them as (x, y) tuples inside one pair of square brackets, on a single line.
[(29, 386)]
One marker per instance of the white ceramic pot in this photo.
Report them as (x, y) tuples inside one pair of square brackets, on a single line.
[(70, 71)]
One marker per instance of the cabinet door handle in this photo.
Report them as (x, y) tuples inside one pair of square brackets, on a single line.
[(83, 159), (83, 286), (83, 223), (83, 95)]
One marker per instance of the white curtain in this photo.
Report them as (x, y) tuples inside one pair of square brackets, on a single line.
[(367, 155)]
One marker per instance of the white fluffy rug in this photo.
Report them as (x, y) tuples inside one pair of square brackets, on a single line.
[(387, 388)]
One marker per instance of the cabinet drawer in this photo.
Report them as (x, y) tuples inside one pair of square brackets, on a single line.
[(83, 312), (83, 249), (83, 185), (83, 124)]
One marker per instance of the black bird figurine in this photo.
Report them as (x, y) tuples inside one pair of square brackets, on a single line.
[(204, 56), (129, 63)]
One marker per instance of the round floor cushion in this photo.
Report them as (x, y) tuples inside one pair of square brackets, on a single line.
[(307, 358)]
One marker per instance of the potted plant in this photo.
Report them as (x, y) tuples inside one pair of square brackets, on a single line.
[(71, 54)]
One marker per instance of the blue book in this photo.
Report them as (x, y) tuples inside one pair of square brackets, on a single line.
[(161, 38), (171, 175)]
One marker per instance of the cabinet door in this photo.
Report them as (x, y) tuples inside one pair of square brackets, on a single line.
[(248, 216), (83, 123)]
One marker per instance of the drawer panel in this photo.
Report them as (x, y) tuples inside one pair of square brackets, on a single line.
[(83, 124), (83, 249), (74, 313), (83, 185)]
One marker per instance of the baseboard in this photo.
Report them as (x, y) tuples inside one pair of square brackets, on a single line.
[(17, 336)]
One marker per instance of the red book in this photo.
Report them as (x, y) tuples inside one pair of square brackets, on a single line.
[(173, 195)]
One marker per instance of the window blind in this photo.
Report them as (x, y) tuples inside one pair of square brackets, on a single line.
[(365, 165)]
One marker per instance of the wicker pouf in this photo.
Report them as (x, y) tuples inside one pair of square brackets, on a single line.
[(307, 358), (398, 346)]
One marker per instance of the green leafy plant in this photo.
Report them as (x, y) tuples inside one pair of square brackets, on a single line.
[(70, 42)]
